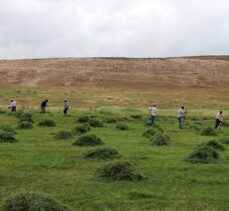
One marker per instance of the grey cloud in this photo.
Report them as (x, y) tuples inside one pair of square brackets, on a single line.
[(131, 28)]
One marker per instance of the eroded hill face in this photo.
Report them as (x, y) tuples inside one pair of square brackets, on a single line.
[(189, 72)]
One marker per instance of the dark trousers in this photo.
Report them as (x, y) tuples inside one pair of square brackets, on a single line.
[(13, 109), (180, 122), (42, 109), (153, 120), (217, 123), (65, 110)]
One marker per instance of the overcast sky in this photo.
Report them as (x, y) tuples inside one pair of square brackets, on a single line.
[(130, 28)]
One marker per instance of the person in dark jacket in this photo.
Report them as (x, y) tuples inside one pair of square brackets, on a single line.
[(44, 105), (66, 107)]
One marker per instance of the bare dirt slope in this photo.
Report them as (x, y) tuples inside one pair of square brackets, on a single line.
[(186, 72)]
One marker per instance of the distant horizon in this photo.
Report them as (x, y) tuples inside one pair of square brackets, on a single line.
[(114, 57)]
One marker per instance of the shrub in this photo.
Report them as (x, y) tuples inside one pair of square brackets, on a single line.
[(88, 140), (7, 128), (79, 130), (120, 171), (32, 202), (47, 123), (25, 125), (104, 153), (160, 139), (204, 154), (214, 144), (150, 132), (224, 140), (7, 137), (208, 132), (122, 126), (95, 123), (63, 135), (110, 120), (83, 119)]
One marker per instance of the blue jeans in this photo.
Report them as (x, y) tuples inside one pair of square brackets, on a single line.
[(152, 119), (180, 122)]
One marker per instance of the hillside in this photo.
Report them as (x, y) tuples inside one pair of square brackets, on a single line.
[(145, 73)]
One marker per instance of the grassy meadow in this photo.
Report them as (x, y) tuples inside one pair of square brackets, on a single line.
[(39, 162)]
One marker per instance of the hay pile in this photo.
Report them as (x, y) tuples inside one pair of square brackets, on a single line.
[(121, 126), (160, 139), (47, 123), (88, 140), (7, 137), (204, 154), (63, 135), (120, 171), (208, 132), (25, 125), (79, 130), (95, 123), (8, 128), (32, 202), (103, 153)]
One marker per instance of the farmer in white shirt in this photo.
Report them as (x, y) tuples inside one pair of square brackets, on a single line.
[(180, 116), (13, 105), (219, 120), (153, 111)]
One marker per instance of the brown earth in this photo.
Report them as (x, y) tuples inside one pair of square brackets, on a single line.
[(206, 72)]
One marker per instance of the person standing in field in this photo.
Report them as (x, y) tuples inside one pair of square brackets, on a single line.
[(153, 111), (180, 116), (219, 119), (13, 105), (44, 105), (66, 107)]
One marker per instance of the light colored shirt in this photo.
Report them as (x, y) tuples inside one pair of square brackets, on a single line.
[(180, 113), (66, 105), (219, 116), (13, 104), (153, 110)]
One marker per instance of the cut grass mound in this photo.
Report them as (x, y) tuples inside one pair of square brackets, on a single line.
[(7, 137), (25, 117), (122, 126), (95, 123), (88, 140), (214, 144), (33, 202), (83, 119), (160, 139), (47, 123), (8, 128), (224, 140), (204, 154), (104, 153), (208, 132), (150, 132), (110, 120), (25, 125), (194, 127), (63, 135), (79, 130), (120, 171), (137, 117)]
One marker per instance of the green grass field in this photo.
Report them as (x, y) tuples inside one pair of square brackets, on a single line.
[(41, 163)]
